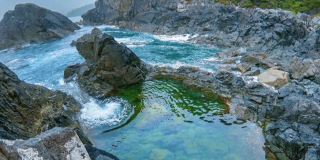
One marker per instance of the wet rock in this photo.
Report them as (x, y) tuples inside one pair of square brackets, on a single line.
[(274, 77), (97, 154), (229, 61), (244, 67), (253, 72), (26, 110), (109, 65), (259, 60), (29, 23), (57, 143), (73, 43), (302, 68), (227, 54)]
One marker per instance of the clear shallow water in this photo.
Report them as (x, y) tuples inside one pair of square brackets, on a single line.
[(179, 123), (173, 124)]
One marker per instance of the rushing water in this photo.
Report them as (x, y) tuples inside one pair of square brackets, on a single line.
[(158, 119)]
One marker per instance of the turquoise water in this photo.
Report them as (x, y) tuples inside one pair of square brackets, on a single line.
[(164, 120)]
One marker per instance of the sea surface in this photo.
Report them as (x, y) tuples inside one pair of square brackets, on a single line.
[(159, 119)]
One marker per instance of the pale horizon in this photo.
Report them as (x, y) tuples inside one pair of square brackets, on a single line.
[(60, 6)]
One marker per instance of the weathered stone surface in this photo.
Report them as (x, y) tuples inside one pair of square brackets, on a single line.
[(27, 110), (244, 67), (57, 143), (274, 77), (29, 23), (109, 65), (253, 72), (97, 154), (302, 68)]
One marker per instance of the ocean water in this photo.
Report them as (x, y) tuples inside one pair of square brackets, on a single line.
[(158, 119)]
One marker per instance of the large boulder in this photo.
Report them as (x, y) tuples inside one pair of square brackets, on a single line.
[(274, 77), (29, 23), (27, 110), (57, 143), (109, 65)]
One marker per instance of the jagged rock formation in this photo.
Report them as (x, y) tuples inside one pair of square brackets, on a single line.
[(277, 33), (109, 65), (29, 23), (27, 110), (57, 143)]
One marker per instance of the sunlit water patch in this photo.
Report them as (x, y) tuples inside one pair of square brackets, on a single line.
[(175, 122)]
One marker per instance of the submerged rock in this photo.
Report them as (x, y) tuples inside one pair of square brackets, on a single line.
[(57, 143), (27, 110), (29, 23), (274, 77), (109, 65)]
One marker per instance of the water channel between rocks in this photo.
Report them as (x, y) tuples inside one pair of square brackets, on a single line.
[(159, 119)]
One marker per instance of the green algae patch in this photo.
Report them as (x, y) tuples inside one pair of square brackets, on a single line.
[(177, 97)]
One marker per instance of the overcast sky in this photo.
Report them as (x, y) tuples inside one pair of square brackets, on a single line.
[(62, 6)]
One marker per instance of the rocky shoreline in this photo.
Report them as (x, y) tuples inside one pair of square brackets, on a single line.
[(272, 42), (260, 39)]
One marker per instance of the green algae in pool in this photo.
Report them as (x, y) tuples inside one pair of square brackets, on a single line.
[(175, 122)]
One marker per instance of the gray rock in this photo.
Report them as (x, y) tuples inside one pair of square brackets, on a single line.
[(253, 72), (274, 77), (302, 68), (244, 67), (29, 23), (109, 65), (27, 110), (57, 143), (229, 61), (97, 154)]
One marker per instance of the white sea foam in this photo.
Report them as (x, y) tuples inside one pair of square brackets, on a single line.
[(13, 61), (173, 38), (212, 59), (61, 82), (93, 114)]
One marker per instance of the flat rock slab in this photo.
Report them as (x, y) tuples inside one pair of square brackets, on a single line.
[(274, 77)]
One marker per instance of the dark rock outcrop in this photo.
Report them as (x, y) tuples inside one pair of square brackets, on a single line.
[(27, 110), (109, 65), (29, 23), (57, 143)]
